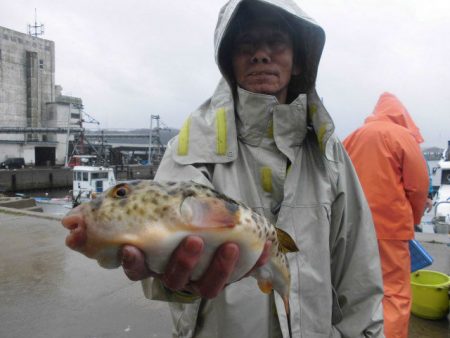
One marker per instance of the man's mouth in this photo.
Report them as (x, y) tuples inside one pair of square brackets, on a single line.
[(262, 73)]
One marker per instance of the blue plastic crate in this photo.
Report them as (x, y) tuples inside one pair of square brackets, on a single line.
[(420, 258)]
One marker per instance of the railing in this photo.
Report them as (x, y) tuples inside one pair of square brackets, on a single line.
[(438, 203)]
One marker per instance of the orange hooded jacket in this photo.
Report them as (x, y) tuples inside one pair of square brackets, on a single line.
[(391, 168)]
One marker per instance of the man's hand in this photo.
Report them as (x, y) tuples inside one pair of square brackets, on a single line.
[(428, 205), (183, 262), (133, 263)]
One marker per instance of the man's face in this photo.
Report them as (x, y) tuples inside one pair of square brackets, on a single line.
[(263, 59)]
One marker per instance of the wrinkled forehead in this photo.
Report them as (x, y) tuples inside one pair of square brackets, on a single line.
[(262, 27), (270, 22)]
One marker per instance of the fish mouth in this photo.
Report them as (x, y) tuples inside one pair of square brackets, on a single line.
[(106, 253), (77, 238)]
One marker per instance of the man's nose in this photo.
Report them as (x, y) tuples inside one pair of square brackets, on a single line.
[(261, 54)]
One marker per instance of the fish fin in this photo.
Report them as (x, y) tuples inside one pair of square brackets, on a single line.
[(265, 285), (209, 212), (287, 244)]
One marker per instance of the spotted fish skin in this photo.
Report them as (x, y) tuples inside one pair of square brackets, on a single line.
[(157, 216)]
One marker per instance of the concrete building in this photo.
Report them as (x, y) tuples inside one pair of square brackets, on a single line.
[(64, 110), (34, 114)]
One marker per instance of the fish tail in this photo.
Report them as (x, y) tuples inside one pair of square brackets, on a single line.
[(275, 275)]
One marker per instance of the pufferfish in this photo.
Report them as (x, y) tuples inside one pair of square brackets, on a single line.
[(156, 216)]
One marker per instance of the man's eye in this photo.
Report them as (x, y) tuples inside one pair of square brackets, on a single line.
[(280, 38), (245, 46), (276, 43)]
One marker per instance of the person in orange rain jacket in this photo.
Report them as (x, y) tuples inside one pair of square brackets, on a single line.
[(392, 170)]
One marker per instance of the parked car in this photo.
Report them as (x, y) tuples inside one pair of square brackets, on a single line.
[(13, 163)]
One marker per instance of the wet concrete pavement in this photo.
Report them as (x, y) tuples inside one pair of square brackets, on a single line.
[(47, 290)]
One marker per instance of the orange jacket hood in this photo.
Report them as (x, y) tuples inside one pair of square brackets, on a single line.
[(391, 168), (389, 108)]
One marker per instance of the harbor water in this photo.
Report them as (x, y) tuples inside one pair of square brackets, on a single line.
[(55, 202)]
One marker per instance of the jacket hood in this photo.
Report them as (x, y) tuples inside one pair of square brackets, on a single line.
[(209, 134), (308, 38), (389, 108)]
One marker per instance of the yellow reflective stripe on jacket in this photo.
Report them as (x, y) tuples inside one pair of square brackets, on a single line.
[(270, 129), (221, 130), (312, 111), (183, 138), (266, 179), (320, 137)]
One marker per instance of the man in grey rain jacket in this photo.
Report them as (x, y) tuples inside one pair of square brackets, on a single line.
[(267, 140)]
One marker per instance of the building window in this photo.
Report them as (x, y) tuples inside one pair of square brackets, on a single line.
[(41, 64)]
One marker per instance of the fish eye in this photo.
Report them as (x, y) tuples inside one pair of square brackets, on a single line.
[(121, 191)]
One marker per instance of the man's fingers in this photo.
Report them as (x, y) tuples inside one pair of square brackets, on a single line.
[(133, 263), (219, 271), (182, 262), (265, 255), (263, 259)]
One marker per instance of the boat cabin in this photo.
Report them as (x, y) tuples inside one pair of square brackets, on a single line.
[(442, 198), (90, 179)]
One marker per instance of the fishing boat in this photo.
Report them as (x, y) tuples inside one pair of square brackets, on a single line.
[(54, 200), (442, 197), (90, 180)]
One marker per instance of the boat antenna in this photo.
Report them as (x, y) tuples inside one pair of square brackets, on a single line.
[(35, 30)]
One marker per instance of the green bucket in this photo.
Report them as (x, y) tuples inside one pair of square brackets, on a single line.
[(430, 294)]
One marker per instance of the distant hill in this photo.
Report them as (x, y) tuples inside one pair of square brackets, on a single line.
[(432, 153)]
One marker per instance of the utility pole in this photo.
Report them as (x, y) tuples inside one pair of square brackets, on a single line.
[(102, 149), (66, 162), (150, 144)]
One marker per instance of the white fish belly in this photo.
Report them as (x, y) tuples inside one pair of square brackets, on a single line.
[(158, 253)]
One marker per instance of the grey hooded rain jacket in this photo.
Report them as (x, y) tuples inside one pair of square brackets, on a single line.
[(285, 162)]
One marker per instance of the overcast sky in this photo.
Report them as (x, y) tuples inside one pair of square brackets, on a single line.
[(129, 59)]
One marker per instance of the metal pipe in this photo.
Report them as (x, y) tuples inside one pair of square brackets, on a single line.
[(66, 162)]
